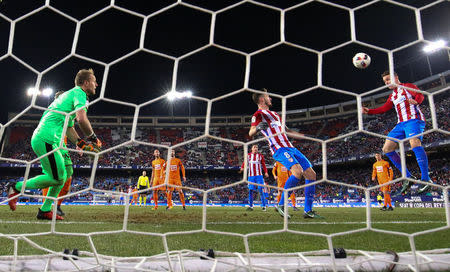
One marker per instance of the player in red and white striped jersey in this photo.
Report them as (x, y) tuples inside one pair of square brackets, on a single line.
[(269, 123), (256, 166), (411, 122)]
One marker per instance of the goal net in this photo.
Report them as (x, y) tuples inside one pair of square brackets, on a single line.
[(208, 138)]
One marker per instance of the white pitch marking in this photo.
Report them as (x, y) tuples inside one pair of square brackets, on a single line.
[(327, 223), (49, 222)]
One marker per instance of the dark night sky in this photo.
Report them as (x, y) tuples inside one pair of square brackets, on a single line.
[(46, 37)]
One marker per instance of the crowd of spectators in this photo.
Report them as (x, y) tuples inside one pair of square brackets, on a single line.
[(205, 180)]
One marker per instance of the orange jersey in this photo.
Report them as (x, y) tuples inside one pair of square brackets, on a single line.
[(174, 171), (135, 195), (383, 171), (157, 166), (281, 172)]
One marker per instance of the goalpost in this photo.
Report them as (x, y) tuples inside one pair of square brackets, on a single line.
[(187, 260)]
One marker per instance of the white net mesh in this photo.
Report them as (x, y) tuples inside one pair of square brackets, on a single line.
[(185, 260)]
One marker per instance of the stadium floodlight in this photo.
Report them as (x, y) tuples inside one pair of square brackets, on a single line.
[(172, 95), (47, 92), (32, 91), (434, 46)]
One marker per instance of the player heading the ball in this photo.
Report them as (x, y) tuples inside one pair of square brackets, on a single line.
[(411, 122), (269, 124)]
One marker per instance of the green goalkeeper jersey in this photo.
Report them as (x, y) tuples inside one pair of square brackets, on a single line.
[(51, 125)]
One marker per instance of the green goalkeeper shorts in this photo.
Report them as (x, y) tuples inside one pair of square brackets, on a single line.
[(67, 161), (52, 165)]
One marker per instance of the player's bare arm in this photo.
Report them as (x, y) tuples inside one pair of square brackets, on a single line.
[(72, 135), (84, 123), (153, 176), (294, 134), (253, 131)]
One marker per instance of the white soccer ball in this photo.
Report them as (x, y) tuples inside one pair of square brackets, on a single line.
[(361, 60)]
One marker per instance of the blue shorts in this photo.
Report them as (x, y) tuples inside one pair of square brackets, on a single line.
[(288, 156), (407, 129), (255, 179)]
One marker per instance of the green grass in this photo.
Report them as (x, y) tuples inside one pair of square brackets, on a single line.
[(89, 219)]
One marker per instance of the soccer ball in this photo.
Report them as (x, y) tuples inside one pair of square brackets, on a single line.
[(361, 60)]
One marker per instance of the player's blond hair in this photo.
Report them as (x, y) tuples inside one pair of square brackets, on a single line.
[(82, 76), (256, 96)]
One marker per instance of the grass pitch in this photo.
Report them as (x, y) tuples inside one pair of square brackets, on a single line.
[(83, 220)]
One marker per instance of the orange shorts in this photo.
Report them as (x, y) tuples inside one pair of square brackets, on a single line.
[(281, 183), (157, 182), (174, 182), (386, 188)]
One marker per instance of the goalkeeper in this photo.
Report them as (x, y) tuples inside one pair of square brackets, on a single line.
[(47, 137)]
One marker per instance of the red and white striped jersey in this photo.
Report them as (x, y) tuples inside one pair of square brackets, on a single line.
[(256, 165), (399, 100), (273, 121)]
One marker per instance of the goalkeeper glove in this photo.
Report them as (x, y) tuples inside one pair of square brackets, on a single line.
[(93, 138), (82, 144)]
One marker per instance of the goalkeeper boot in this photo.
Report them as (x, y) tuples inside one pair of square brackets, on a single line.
[(312, 214), (184, 208), (296, 209), (390, 208), (384, 208), (59, 211), (280, 210), (47, 215), (12, 192), (425, 188)]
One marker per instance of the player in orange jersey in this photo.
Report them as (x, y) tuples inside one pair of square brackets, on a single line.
[(175, 179), (383, 172), (134, 199), (281, 175), (157, 176)]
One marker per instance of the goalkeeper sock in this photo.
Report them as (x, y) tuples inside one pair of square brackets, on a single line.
[(65, 189), (293, 199), (291, 182), (182, 198), (250, 198), (309, 195), (53, 192), (395, 159), (422, 160)]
